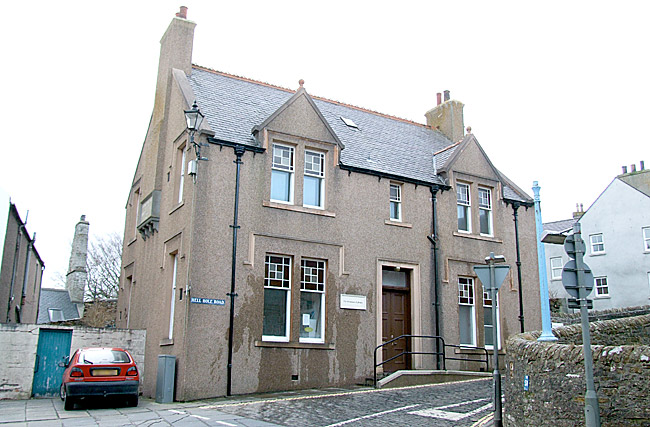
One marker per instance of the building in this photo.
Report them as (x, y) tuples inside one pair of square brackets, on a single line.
[(335, 229), (21, 268), (616, 231), (61, 305)]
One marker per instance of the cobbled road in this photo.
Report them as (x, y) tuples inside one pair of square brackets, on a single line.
[(449, 404)]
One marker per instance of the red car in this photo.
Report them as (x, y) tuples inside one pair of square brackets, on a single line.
[(100, 372)]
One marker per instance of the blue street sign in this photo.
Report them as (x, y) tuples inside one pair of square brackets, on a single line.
[(526, 382), (210, 301)]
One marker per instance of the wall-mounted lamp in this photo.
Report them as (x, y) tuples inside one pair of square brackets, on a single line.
[(194, 118)]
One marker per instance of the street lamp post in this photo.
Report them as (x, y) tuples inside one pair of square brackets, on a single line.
[(194, 118)]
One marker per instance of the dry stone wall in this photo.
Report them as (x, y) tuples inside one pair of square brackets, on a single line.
[(553, 374)]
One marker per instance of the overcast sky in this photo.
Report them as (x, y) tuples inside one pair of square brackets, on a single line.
[(556, 92)]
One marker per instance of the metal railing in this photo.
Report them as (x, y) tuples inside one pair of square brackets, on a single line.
[(440, 353)]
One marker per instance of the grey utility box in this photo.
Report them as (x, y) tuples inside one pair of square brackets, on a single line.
[(165, 378)]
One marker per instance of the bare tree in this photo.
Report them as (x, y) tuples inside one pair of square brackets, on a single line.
[(104, 264)]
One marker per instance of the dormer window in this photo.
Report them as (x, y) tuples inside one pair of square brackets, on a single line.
[(314, 179), (282, 174)]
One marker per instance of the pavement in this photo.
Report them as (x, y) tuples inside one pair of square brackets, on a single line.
[(250, 410)]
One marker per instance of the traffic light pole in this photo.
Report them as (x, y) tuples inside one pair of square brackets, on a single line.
[(592, 411)]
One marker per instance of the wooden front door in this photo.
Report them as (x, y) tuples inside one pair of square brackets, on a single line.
[(396, 319)]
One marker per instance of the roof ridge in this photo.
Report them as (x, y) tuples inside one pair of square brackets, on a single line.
[(320, 98), (447, 148)]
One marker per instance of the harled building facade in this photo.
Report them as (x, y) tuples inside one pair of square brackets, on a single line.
[(315, 232)]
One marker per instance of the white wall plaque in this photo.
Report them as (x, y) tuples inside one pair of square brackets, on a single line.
[(353, 302)]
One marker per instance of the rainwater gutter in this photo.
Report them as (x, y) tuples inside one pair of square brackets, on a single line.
[(435, 253)]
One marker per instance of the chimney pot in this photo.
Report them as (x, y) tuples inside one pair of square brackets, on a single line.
[(632, 168), (182, 13), (624, 169), (642, 165), (439, 96), (446, 95)]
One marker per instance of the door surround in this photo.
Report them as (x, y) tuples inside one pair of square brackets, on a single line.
[(416, 309)]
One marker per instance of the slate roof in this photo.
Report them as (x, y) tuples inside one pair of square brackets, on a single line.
[(233, 106), (557, 227), (56, 298), (380, 143)]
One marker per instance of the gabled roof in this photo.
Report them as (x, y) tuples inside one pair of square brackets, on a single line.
[(56, 299), (562, 226), (640, 180), (234, 105)]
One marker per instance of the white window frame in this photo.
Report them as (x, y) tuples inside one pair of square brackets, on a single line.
[(287, 289), (466, 204), (593, 243), (486, 297), (397, 200), (314, 173), (307, 278), (646, 238), (485, 206), (181, 179), (598, 286), (173, 302), (282, 167), (556, 270), (467, 299)]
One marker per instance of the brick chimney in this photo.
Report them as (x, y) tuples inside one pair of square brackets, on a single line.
[(447, 117), (77, 277)]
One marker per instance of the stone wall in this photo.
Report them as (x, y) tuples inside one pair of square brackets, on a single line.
[(19, 343), (613, 313), (556, 384)]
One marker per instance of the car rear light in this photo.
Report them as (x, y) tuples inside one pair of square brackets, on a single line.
[(133, 371), (76, 372)]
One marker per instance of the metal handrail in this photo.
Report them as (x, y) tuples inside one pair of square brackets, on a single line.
[(440, 344)]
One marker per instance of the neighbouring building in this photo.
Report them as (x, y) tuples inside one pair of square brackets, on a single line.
[(21, 268), (315, 232), (616, 232), (61, 305)]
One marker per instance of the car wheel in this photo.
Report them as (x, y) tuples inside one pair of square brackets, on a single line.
[(62, 392), (68, 403), (132, 401)]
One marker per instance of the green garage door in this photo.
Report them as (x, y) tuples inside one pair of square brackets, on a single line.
[(53, 348)]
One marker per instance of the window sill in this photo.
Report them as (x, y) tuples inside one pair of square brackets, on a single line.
[(166, 341), (177, 207), (300, 345), (597, 254), (477, 237), (397, 223), (602, 297), (294, 208)]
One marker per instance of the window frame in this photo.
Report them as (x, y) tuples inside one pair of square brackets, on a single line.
[(466, 206), (486, 346), (395, 200), (287, 300), (472, 312), (314, 174), (645, 233), (172, 307), (322, 266), (180, 179), (592, 244), (555, 268), (599, 286), (288, 169), (486, 208)]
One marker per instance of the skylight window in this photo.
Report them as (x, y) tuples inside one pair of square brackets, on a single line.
[(349, 122)]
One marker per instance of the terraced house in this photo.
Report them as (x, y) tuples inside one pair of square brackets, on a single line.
[(315, 232)]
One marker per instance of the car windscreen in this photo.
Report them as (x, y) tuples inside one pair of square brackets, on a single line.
[(104, 355)]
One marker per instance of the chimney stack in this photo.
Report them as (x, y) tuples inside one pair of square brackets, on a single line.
[(182, 13), (624, 169), (447, 117), (579, 211), (642, 165), (75, 280), (633, 168)]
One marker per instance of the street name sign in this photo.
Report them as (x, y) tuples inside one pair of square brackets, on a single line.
[(209, 301)]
